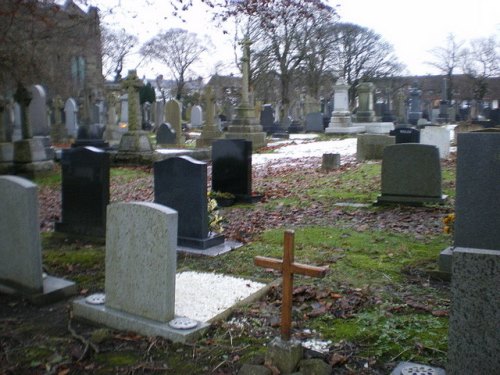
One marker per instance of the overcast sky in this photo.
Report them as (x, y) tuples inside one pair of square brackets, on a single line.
[(413, 27)]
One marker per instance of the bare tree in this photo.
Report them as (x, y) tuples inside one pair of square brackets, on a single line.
[(285, 41), (178, 49), (362, 55), (116, 46), (447, 60), (480, 62)]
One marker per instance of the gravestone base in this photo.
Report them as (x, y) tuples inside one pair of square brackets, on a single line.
[(201, 243), (135, 141), (257, 138), (29, 151), (120, 320), (284, 355), (97, 143), (295, 127), (410, 200), (208, 137), (445, 260), (53, 289), (403, 365), (6, 158), (365, 116), (80, 229), (473, 334), (224, 247), (59, 133), (345, 130), (377, 127)]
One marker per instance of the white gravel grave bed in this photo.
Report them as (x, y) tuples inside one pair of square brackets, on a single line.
[(203, 296)]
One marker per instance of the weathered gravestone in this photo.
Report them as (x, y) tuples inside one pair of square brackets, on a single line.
[(181, 183), (232, 168), (141, 261), (70, 115), (406, 135), (173, 116), (165, 135), (371, 146), (85, 191), (38, 111), (20, 248), (411, 174), (196, 116)]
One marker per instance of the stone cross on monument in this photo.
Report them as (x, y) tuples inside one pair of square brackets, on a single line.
[(288, 268), (132, 84), (210, 131), (135, 140), (23, 97)]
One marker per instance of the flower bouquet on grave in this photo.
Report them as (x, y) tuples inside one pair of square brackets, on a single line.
[(223, 199)]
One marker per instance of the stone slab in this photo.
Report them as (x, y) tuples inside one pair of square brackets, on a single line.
[(346, 130), (213, 251), (54, 289), (371, 146), (474, 328), (376, 127), (121, 320), (438, 136)]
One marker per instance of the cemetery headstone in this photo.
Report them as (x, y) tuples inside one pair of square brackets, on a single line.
[(20, 247), (174, 118), (406, 135), (165, 135), (267, 118), (38, 111), (371, 146), (365, 112), (196, 116), (70, 114), (232, 168), (330, 162), (211, 130), (181, 183), (314, 122), (438, 136), (6, 146), (477, 208), (141, 241), (85, 191), (58, 131), (411, 174)]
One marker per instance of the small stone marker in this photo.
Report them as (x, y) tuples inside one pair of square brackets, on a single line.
[(288, 267)]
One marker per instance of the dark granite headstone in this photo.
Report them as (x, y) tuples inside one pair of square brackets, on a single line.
[(314, 122), (406, 135), (181, 184), (411, 173), (232, 167), (85, 191), (267, 118), (295, 127), (165, 135), (477, 204)]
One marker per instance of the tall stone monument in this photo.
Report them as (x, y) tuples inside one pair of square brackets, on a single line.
[(415, 111), (365, 111), (30, 156), (340, 122), (246, 125), (6, 147), (210, 131), (135, 140)]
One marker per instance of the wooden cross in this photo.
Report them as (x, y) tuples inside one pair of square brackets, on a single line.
[(288, 268)]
